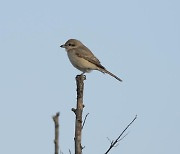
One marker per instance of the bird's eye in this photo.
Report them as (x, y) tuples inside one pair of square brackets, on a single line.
[(71, 44)]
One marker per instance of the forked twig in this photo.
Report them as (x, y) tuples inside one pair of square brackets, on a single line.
[(114, 143)]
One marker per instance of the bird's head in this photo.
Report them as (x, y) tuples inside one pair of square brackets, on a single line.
[(71, 44)]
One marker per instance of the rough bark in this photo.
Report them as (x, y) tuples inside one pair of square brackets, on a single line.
[(78, 113)]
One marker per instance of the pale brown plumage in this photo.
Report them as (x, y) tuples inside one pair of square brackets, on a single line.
[(83, 59)]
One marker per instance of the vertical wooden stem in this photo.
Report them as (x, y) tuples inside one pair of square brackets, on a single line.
[(56, 140), (78, 112)]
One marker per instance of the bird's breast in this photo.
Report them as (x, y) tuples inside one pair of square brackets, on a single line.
[(80, 63)]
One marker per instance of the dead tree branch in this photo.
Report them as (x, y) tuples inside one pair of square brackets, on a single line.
[(78, 113), (120, 137), (56, 140)]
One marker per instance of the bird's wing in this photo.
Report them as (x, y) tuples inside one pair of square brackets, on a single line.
[(85, 53)]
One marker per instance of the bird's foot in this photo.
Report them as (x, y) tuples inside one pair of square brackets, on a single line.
[(82, 75)]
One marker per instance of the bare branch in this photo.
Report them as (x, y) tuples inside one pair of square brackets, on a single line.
[(84, 120), (56, 140), (123, 137), (78, 113), (114, 143)]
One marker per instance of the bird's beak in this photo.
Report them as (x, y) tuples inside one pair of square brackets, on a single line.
[(62, 46)]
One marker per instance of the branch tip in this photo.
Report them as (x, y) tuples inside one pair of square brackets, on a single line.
[(74, 110), (56, 124)]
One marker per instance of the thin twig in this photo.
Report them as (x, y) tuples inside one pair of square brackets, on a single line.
[(84, 120), (114, 143)]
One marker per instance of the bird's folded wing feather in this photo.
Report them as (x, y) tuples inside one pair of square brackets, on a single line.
[(85, 53)]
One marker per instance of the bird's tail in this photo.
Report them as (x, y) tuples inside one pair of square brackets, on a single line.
[(106, 71)]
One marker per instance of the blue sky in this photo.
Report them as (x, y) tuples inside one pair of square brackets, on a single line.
[(136, 40)]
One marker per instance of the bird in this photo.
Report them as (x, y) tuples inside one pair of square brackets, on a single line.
[(83, 59)]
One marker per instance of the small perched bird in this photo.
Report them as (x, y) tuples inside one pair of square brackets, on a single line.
[(83, 59)]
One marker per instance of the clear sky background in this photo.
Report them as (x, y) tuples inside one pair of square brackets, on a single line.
[(137, 40)]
